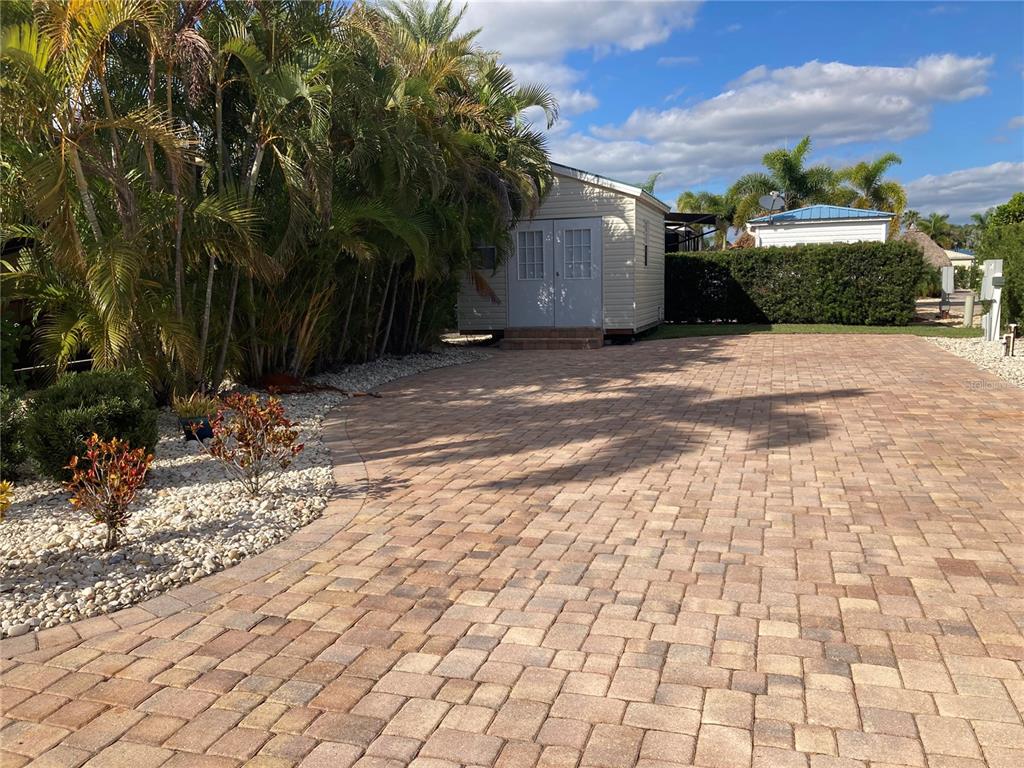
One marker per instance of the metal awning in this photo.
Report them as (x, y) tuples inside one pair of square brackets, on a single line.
[(675, 219)]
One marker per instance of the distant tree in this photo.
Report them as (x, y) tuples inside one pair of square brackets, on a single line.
[(867, 188), (1010, 212), (938, 228), (722, 206), (911, 218), (788, 175), (652, 180)]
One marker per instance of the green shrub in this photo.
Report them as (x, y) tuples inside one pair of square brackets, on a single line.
[(967, 276), (12, 433), (1006, 242), (846, 283), (108, 403), (930, 283)]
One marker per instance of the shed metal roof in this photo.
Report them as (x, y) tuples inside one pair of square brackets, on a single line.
[(820, 213), (603, 181)]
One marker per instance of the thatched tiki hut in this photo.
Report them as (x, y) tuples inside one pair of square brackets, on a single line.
[(933, 253)]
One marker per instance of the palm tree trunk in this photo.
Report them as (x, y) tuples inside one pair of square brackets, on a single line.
[(218, 372), (366, 311), (154, 182), (179, 217), (348, 313), (408, 315), (419, 316), (391, 317), (380, 313), (205, 332), (86, 195)]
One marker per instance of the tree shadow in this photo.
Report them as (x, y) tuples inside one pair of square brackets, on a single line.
[(571, 416)]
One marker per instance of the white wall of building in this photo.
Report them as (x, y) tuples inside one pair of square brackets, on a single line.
[(801, 232)]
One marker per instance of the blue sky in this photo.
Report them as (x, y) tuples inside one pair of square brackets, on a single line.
[(699, 91)]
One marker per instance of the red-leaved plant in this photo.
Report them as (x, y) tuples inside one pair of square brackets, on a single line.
[(252, 439), (105, 484)]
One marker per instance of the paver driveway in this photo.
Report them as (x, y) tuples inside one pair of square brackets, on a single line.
[(778, 550)]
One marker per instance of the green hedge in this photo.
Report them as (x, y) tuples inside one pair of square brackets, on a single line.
[(12, 433), (1006, 242), (846, 283), (109, 403)]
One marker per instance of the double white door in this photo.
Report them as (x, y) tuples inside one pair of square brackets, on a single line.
[(554, 276)]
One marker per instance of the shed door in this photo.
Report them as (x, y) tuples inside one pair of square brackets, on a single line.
[(578, 273), (555, 276), (531, 276)]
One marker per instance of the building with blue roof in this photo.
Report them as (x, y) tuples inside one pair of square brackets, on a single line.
[(821, 224)]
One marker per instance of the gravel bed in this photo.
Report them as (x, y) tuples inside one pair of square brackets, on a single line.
[(188, 521), (988, 355)]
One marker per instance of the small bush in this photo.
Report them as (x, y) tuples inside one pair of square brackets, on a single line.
[(967, 276), (930, 284), (12, 434), (107, 481), (845, 283), (252, 439), (108, 403), (6, 497)]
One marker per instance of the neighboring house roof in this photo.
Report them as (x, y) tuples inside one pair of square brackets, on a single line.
[(820, 213), (933, 252), (603, 181)]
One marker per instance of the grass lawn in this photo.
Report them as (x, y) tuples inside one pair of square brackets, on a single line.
[(737, 329)]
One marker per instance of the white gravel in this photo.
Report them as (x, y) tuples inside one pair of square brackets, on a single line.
[(188, 521), (988, 355)]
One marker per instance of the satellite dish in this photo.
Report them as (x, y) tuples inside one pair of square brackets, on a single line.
[(772, 202)]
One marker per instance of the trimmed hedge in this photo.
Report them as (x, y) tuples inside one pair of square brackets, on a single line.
[(1006, 242), (109, 403), (846, 283)]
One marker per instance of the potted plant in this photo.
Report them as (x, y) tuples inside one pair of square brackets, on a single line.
[(194, 414)]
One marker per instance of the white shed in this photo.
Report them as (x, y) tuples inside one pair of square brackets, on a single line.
[(590, 262), (821, 224)]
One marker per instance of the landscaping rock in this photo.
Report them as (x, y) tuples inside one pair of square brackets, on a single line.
[(189, 520), (988, 355)]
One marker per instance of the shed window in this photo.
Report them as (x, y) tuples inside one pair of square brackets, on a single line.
[(530, 253), (578, 265)]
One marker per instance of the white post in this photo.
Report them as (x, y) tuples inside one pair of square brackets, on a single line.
[(992, 289)]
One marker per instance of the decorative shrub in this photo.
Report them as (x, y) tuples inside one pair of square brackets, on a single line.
[(252, 439), (107, 482), (968, 276), (847, 283), (107, 403), (195, 406), (6, 497), (930, 284), (1006, 242), (12, 433)]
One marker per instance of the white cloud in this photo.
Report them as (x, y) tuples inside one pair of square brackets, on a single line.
[(718, 138), (967, 191), (1016, 122), (535, 36), (676, 61)]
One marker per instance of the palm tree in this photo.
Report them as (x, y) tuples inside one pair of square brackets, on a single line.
[(938, 228), (868, 189), (722, 206), (911, 219), (796, 184)]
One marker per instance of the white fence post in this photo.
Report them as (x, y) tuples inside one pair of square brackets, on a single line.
[(992, 289)]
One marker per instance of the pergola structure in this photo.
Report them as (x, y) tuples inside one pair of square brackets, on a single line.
[(685, 231)]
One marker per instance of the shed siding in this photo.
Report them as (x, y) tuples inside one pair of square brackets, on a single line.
[(650, 278), (847, 231), (480, 313), (571, 198)]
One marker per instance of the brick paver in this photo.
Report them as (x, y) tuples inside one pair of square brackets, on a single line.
[(749, 551)]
